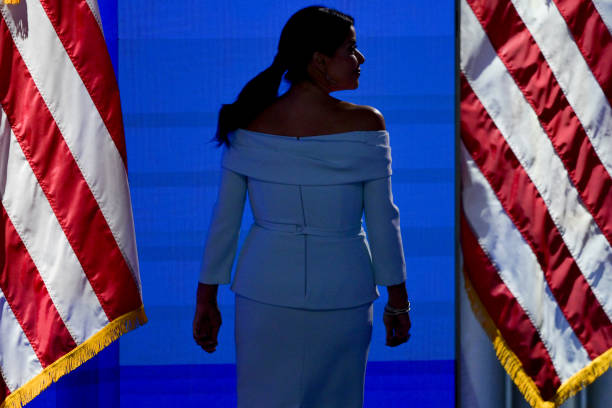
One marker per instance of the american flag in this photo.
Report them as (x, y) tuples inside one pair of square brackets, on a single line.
[(536, 198), (69, 279)]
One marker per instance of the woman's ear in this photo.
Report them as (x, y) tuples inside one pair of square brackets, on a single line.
[(319, 60)]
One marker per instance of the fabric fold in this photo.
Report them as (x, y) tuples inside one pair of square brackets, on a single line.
[(338, 158)]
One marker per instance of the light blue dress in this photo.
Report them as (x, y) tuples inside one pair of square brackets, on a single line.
[(305, 253)]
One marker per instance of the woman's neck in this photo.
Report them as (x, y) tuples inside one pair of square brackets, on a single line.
[(311, 92)]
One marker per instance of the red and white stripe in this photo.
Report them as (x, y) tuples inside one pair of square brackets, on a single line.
[(17, 357), (69, 259), (536, 125), (583, 90), (44, 241), (74, 111)]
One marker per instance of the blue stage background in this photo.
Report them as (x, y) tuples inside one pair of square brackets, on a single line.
[(176, 63)]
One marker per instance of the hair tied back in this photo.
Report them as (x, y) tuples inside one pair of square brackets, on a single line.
[(310, 29)]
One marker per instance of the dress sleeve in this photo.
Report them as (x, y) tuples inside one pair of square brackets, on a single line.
[(224, 229), (383, 232)]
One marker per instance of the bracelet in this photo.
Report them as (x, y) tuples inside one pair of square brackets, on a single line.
[(390, 310)]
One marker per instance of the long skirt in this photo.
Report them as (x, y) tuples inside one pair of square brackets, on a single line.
[(298, 358)]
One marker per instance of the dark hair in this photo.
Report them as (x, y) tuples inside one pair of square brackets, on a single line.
[(310, 29)]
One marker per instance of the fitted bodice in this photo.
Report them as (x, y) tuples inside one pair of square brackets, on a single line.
[(306, 247), (334, 207)]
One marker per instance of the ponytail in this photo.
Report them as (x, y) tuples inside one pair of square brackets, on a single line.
[(310, 29), (259, 93)]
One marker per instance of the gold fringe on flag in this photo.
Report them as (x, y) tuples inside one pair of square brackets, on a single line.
[(75, 358), (584, 377), (515, 370), (10, 1)]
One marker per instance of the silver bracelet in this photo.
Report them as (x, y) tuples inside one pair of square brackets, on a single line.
[(392, 311)]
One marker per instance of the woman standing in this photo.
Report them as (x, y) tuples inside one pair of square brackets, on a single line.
[(306, 275)]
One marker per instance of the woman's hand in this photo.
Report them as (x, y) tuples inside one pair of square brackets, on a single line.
[(397, 326), (207, 319)]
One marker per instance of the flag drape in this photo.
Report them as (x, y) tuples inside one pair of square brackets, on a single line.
[(69, 278), (536, 187)]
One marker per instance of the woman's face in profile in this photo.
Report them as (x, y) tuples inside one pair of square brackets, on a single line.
[(343, 67)]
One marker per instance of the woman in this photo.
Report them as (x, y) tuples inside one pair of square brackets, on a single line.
[(306, 276)]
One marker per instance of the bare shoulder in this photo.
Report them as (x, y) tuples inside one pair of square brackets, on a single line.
[(289, 118), (364, 117)]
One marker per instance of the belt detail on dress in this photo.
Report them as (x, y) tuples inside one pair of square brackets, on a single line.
[(298, 229)]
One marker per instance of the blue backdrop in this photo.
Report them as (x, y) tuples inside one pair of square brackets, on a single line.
[(176, 63)]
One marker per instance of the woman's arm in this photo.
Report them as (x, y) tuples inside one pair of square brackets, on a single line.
[(384, 237), (383, 229), (224, 229), (218, 258)]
